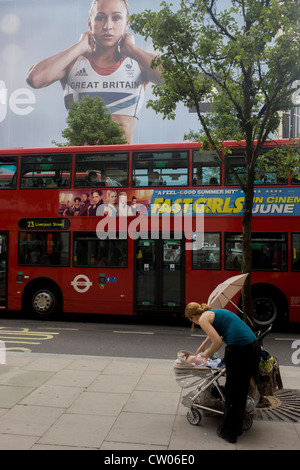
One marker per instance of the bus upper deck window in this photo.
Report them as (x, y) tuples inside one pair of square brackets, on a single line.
[(101, 169), (165, 168), (46, 171), (206, 169), (8, 172)]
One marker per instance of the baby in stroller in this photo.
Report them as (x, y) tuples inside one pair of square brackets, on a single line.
[(201, 360)]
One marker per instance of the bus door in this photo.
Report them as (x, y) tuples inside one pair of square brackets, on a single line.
[(159, 275), (3, 268)]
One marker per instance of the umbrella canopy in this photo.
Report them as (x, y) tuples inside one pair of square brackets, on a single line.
[(225, 291)]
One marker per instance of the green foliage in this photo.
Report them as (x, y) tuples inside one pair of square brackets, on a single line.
[(244, 59), (282, 159), (89, 123), (249, 52), (221, 122)]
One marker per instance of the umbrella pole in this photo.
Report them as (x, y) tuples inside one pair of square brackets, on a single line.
[(238, 309)]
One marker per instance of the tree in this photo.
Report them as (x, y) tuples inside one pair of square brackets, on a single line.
[(246, 56), (282, 159), (89, 123)]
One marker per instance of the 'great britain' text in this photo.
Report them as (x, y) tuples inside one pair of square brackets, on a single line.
[(121, 85)]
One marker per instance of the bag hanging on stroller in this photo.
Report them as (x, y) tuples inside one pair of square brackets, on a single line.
[(268, 377)]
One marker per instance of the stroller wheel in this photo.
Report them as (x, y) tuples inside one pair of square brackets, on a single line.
[(194, 416), (247, 421)]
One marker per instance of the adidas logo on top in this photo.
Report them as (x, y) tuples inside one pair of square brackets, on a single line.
[(81, 73)]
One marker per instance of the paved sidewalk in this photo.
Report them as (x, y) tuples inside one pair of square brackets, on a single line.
[(50, 402)]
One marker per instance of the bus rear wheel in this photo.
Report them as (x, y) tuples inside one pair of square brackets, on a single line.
[(264, 311), (269, 307)]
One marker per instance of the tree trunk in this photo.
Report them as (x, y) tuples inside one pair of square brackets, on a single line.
[(247, 249)]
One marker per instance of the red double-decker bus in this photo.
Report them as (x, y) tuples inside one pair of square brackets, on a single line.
[(95, 230)]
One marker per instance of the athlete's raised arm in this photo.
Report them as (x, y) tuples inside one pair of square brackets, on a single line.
[(128, 48), (55, 68)]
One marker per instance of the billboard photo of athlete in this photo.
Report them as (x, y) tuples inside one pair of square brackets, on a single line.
[(104, 62)]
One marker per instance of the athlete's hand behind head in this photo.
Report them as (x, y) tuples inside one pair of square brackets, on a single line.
[(87, 43)]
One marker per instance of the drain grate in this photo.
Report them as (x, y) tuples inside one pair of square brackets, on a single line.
[(283, 406)]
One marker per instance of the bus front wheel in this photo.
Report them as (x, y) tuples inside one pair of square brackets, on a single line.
[(43, 301)]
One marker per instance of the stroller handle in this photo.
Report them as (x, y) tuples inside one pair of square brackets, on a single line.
[(260, 337)]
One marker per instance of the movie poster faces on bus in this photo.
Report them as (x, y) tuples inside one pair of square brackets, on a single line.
[(104, 202)]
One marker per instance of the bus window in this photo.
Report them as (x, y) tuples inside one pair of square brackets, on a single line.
[(233, 251), (206, 168), (8, 172), (101, 169), (46, 171), (208, 256), (269, 251), (44, 249), (296, 252), (237, 162), (160, 168), (90, 251), (295, 176)]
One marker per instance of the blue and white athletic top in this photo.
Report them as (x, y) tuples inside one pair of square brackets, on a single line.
[(122, 90)]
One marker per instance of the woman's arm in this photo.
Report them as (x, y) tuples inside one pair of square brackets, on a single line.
[(144, 58), (205, 323), (55, 67), (203, 345)]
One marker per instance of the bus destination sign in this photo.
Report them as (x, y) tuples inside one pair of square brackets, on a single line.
[(44, 224)]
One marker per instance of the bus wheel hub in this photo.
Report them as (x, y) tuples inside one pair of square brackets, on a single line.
[(43, 301)]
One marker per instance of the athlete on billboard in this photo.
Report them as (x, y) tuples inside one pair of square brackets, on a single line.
[(104, 62)]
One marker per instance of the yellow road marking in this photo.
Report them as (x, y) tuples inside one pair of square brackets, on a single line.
[(135, 332), (62, 329), (25, 336), (21, 342)]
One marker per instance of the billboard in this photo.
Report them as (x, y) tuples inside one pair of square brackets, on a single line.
[(177, 202), (34, 102)]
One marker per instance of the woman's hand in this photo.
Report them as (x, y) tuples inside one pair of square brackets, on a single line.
[(203, 346), (199, 350), (128, 48), (202, 358), (125, 45), (87, 43)]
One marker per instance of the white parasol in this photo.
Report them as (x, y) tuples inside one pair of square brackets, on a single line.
[(225, 291)]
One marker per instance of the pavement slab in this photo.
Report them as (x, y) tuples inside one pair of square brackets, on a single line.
[(55, 402)]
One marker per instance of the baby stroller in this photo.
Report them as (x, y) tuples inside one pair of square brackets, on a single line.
[(209, 395)]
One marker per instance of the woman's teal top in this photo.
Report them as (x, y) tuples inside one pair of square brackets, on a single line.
[(232, 328)]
